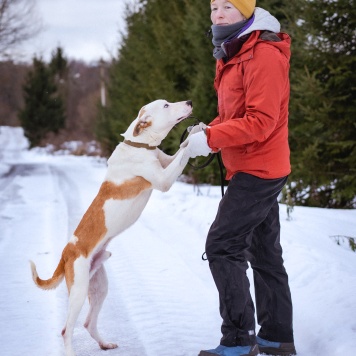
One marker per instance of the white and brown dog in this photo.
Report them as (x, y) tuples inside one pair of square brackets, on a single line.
[(135, 168)]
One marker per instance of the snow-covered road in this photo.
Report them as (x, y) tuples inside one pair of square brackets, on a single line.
[(162, 300)]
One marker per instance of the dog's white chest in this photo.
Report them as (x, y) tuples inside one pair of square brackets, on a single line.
[(120, 214)]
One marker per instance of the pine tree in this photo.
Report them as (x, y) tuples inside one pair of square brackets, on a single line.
[(43, 111), (148, 67), (166, 55), (59, 65), (323, 111)]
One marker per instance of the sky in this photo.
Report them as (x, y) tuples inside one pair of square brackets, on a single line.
[(86, 29), (162, 300)]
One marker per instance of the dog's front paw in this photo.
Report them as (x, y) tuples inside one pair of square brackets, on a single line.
[(108, 345)]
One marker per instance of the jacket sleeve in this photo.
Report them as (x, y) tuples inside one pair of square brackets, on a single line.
[(215, 121), (265, 85)]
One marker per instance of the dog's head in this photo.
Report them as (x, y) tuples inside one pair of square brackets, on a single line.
[(156, 119)]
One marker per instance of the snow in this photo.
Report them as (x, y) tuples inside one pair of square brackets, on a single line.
[(162, 300)]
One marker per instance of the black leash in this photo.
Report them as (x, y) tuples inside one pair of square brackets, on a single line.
[(205, 164)]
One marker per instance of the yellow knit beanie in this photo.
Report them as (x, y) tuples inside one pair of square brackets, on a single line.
[(246, 7)]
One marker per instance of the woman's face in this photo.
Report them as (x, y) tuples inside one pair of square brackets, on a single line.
[(224, 13)]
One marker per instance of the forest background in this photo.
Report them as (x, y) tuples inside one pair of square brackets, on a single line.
[(167, 53)]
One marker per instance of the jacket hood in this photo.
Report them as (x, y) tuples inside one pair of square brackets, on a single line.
[(263, 21)]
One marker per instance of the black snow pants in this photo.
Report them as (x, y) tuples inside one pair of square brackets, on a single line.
[(247, 228)]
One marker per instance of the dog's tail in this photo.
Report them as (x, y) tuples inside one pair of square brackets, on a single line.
[(51, 283)]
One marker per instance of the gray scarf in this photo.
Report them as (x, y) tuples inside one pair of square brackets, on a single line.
[(225, 33)]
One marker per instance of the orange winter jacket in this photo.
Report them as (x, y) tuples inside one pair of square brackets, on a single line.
[(253, 95)]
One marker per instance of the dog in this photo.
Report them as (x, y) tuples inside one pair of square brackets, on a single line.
[(135, 168)]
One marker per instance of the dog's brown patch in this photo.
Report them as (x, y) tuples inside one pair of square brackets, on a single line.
[(141, 125), (91, 228)]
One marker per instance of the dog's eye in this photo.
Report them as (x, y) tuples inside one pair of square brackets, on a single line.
[(166, 106)]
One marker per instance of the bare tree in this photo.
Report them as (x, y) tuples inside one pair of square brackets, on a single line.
[(18, 23)]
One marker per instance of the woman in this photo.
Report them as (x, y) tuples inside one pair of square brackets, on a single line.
[(251, 130)]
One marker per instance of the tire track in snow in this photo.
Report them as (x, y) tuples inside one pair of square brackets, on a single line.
[(30, 213)]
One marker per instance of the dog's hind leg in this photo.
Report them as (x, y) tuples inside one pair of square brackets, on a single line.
[(78, 291), (98, 290), (98, 261)]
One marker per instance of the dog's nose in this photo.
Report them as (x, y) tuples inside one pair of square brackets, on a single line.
[(189, 102)]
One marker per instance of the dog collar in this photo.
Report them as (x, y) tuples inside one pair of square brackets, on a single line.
[(140, 145)]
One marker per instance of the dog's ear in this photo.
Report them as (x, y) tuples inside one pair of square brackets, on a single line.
[(143, 122), (142, 112)]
